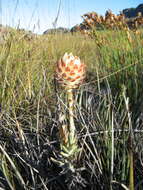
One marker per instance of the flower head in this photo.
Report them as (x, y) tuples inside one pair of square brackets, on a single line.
[(70, 71)]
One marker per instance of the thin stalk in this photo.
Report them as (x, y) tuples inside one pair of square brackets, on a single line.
[(17, 173), (71, 115), (131, 174), (131, 186), (112, 154)]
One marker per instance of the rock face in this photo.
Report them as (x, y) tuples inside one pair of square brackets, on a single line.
[(133, 12), (79, 27), (57, 30)]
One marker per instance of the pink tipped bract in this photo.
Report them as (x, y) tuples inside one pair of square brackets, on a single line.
[(70, 71)]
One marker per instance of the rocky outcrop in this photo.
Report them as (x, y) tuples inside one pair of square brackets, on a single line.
[(57, 30), (133, 12)]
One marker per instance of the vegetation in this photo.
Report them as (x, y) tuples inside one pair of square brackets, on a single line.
[(108, 112)]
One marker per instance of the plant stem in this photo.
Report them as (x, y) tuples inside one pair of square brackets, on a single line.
[(131, 174), (131, 170), (71, 114)]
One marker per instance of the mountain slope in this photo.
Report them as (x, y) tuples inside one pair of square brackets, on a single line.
[(132, 12)]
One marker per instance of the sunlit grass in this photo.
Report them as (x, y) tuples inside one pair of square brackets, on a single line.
[(109, 102)]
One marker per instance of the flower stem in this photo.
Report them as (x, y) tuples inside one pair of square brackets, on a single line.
[(71, 116)]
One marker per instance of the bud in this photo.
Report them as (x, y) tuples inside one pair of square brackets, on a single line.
[(70, 71)]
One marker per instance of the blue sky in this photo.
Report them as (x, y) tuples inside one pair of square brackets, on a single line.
[(38, 15)]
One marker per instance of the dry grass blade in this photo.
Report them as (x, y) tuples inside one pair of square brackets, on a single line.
[(19, 177)]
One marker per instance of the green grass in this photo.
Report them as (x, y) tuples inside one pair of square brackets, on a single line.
[(108, 112)]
